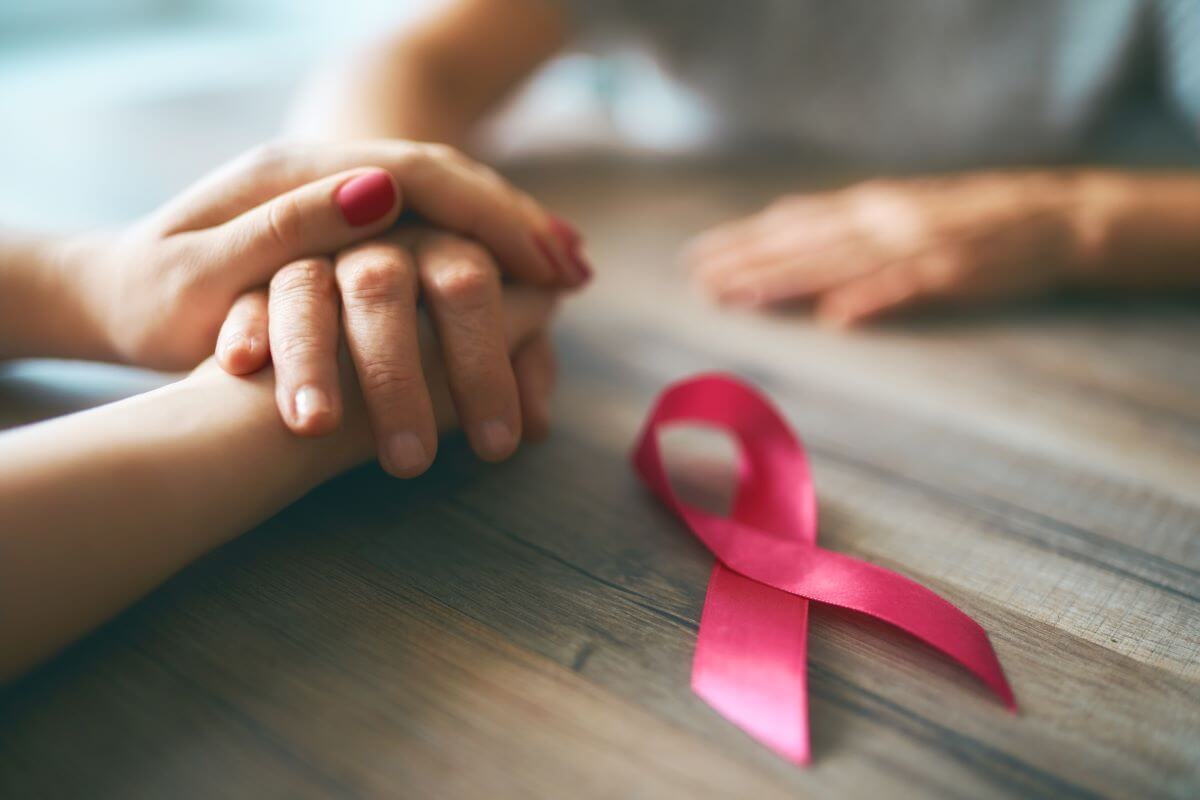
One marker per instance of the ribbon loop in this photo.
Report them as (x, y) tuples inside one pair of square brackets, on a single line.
[(751, 651)]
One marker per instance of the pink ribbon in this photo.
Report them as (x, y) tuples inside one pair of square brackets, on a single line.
[(752, 645)]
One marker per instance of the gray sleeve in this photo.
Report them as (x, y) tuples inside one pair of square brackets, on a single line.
[(593, 20), (631, 19), (1178, 34)]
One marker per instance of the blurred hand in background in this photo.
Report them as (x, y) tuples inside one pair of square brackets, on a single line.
[(885, 246), (880, 246)]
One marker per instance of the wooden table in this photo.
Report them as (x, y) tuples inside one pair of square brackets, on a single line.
[(526, 630)]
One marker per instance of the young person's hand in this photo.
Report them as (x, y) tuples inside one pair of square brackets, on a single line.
[(881, 246), (148, 494), (159, 291), (374, 291)]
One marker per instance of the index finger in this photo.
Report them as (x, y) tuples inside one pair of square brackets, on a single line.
[(446, 188)]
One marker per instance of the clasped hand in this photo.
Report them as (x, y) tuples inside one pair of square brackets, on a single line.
[(293, 251)]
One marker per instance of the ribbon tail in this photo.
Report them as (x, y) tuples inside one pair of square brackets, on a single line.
[(837, 579), (889, 596), (750, 662)]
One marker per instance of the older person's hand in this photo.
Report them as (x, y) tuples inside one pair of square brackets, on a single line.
[(381, 284), (882, 246)]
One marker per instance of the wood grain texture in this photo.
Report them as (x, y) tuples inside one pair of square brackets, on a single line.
[(525, 630)]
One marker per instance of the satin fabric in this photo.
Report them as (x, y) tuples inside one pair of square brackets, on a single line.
[(751, 650)]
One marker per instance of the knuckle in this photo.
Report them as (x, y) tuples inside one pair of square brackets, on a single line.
[(411, 160), (459, 248), (464, 284), (495, 181), (873, 198), (284, 221), (300, 345), (428, 158), (388, 378), (268, 156), (436, 151), (308, 277), (872, 186), (886, 214), (373, 277)]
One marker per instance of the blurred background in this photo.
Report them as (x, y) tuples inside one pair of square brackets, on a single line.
[(107, 107)]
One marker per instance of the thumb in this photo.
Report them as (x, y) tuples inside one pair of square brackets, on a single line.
[(318, 217)]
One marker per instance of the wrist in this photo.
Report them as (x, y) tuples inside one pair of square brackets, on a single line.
[(247, 404), (74, 326), (1092, 211), (44, 306), (1137, 230), (83, 270)]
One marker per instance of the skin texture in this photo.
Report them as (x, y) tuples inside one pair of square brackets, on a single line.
[(855, 254), (65, 567), (401, 87), (379, 283), (242, 241), (156, 294)]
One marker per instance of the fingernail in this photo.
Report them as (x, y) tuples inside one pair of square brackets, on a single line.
[(233, 345), (240, 344), (366, 198), (405, 453), (562, 269), (572, 241), (495, 439), (565, 231), (581, 263), (311, 402)]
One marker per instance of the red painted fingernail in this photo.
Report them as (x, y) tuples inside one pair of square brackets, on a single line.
[(581, 264), (565, 231), (575, 254), (366, 198), (572, 240), (547, 252)]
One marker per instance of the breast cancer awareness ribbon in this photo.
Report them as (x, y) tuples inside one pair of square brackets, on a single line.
[(752, 646)]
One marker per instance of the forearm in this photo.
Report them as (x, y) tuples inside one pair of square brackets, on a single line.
[(98, 508), (432, 81), (42, 313), (1136, 230), (387, 90)]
